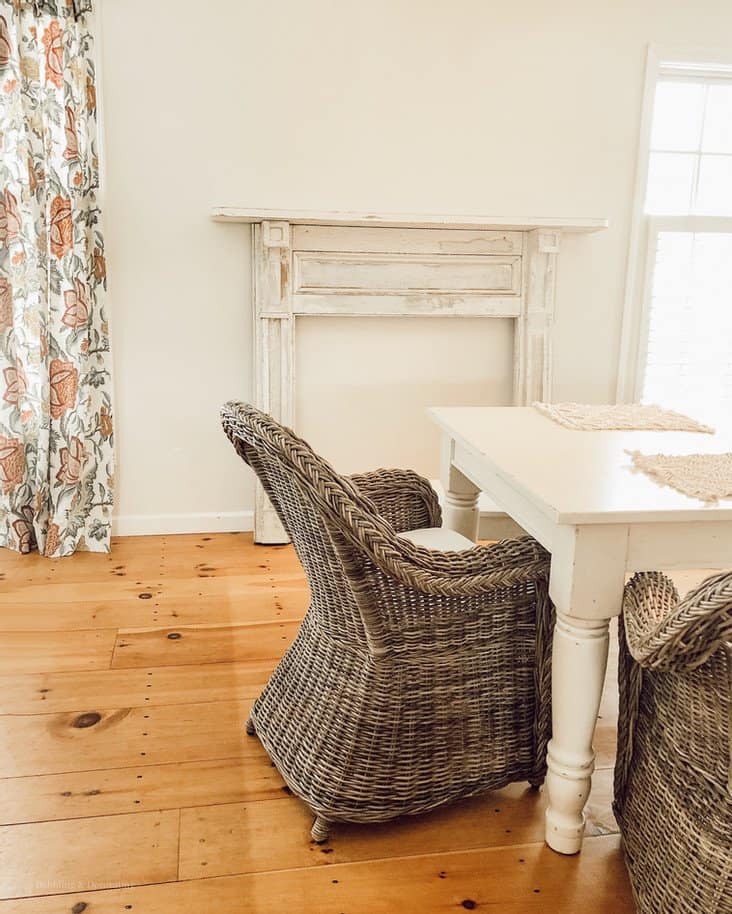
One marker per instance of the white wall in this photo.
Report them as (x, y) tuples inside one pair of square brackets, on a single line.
[(474, 106), (363, 384)]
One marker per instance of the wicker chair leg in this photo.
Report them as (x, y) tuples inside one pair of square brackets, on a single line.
[(320, 830), (249, 727)]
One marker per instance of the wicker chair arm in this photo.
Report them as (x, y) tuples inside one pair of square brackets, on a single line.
[(402, 497), (665, 634), (467, 573), (354, 514)]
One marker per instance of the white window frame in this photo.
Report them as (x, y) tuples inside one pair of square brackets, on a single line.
[(644, 228)]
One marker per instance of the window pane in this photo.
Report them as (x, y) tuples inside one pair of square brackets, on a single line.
[(670, 177), (718, 119), (689, 360), (714, 193), (677, 116)]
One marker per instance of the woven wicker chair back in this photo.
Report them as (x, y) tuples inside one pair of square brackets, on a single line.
[(276, 455), (369, 585)]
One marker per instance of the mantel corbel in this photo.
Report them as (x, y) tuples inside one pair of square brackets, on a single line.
[(274, 340)]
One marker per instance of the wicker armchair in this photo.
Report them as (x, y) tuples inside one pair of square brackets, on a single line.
[(673, 775), (418, 676)]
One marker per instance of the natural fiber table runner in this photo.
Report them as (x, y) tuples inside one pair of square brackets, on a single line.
[(704, 476), (627, 417)]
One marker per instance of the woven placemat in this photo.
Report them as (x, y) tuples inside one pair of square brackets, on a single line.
[(704, 476), (620, 417)]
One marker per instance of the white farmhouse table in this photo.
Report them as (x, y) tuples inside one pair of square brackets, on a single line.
[(577, 493)]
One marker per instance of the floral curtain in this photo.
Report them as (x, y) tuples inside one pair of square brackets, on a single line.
[(56, 442)]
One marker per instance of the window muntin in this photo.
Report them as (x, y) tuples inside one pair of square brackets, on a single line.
[(690, 155)]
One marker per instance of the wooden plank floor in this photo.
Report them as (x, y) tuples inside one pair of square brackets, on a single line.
[(127, 783)]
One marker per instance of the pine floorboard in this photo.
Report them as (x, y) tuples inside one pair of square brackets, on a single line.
[(112, 791), (46, 693), (202, 644), (526, 879), (94, 738), (30, 651), (128, 784), (88, 854)]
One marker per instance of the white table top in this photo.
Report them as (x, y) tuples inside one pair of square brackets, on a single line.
[(581, 477)]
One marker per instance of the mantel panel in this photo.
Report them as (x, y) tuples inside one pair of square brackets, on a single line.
[(401, 274), (352, 239)]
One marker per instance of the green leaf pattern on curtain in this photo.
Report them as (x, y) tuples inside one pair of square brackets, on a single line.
[(56, 434)]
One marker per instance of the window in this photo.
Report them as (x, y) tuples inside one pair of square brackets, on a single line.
[(679, 304)]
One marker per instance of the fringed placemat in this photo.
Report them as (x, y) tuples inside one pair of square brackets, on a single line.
[(704, 476), (621, 417)]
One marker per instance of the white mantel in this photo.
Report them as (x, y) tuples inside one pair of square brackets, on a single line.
[(395, 265), (405, 220)]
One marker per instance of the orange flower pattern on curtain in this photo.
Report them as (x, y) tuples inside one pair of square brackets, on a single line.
[(56, 432)]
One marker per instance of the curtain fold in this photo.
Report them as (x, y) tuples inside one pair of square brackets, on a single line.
[(56, 433)]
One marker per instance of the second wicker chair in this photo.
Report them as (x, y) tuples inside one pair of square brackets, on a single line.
[(418, 676), (673, 776)]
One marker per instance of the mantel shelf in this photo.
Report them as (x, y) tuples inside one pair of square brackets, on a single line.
[(405, 220)]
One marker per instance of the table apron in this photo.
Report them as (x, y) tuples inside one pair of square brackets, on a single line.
[(683, 544)]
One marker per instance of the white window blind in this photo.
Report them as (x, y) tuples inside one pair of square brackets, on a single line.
[(687, 329)]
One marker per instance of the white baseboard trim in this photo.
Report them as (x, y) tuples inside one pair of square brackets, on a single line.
[(156, 524), (243, 521)]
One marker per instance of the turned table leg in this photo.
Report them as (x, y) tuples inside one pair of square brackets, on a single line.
[(586, 584), (460, 510), (579, 661)]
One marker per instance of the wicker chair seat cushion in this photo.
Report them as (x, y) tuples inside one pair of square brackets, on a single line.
[(441, 538)]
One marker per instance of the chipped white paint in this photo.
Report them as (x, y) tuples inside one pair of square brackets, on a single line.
[(342, 264)]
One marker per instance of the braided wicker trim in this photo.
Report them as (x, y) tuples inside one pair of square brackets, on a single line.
[(665, 634), (454, 573), (628, 417), (380, 485), (673, 772)]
